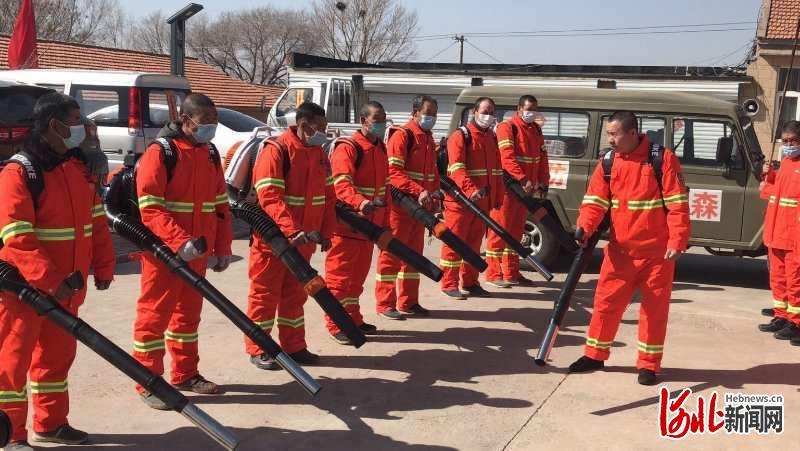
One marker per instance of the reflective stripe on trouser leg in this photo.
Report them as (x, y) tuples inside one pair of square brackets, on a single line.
[(181, 337), (20, 327), (408, 279), (612, 295), (290, 319), (463, 224), (266, 274), (160, 290), (656, 275), (515, 215), (347, 264), (49, 371), (793, 287), (477, 230), (778, 281)]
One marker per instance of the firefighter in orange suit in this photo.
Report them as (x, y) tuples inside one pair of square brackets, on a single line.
[(291, 180), (180, 210), (47, 238), (412, 169), (475, 167), (520, 141), (649, 231), (359, 169), (782, 189)]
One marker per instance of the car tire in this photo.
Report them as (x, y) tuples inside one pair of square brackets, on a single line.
[(542, 242)]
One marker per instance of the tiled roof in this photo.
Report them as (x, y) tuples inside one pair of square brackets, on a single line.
[(223, 89), (783, 16)]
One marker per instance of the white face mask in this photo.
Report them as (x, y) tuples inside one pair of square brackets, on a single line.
[(485, 120), (528, 116), (77, 133)]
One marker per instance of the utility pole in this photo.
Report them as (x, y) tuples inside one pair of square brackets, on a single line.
[(460, 40)]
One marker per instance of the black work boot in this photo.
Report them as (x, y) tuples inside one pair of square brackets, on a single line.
[(476, 291), (368, 329), (341, 338), (454, 294), (198, 384), (264, 362), (64, 435), (416, 310), (305, 357), (152, 401), (393, 315), (773, 326), (790, 332), (586, 364), (768, 312), (647, 377)]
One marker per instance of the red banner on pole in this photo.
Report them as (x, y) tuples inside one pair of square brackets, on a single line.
[(22, 52)]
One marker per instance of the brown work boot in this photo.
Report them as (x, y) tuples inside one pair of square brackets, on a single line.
[(198, 384), (64, 435)]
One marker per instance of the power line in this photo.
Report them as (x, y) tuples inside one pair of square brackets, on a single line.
[(442, 51), (485, 53), (621, 33), (718, 58)]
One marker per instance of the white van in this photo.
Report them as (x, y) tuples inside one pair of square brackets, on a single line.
[(124, 105)]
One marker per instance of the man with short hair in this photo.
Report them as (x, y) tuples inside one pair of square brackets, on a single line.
[(47, 236), (782, 190), (180, 206), (520, 142), (474, 165), (359, 170), (291, 181), (649, 231), (411, 154)]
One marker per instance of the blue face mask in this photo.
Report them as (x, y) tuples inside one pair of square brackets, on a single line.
[(205, 133), (317, 139), (427, 122), (378, 130), (790, 151)]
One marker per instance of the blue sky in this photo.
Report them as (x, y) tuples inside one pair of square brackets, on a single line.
[(473, 16)]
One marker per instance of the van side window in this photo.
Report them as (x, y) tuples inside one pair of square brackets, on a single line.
[(565, 132), (695, 141), (651, 126), (158, 103), (285, 109), (102, 104), (339, 106)]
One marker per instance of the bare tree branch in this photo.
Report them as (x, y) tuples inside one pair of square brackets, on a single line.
[(98, 22), (366, 31)]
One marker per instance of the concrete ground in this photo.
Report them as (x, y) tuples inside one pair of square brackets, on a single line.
[(463, 379)]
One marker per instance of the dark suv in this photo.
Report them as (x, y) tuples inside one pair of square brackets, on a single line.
[(16, 114)]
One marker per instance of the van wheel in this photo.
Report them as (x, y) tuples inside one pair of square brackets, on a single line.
[(542, 243)]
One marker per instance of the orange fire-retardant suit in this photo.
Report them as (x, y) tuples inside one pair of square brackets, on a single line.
[(522, 156), (192, 204), (411, 171), (780, 236), (641, 232), (300, 201), (348, 261), (473, 168), (65, 231)]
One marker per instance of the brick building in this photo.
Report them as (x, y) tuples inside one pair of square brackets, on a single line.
[(776, 30), (226, 91)]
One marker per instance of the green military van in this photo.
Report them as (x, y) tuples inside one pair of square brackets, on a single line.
[(714, 139)]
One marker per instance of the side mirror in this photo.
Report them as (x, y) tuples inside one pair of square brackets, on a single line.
[(724, 150)]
